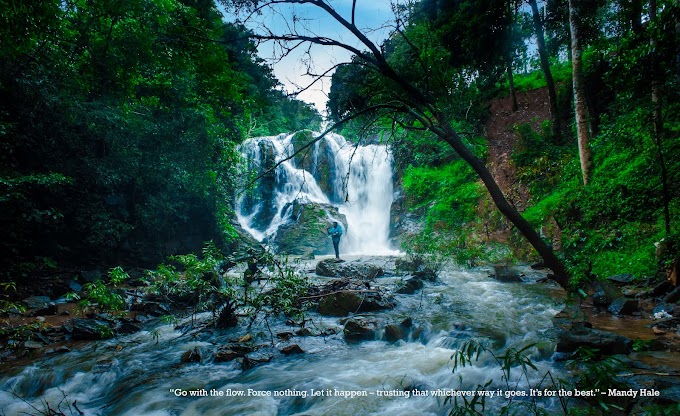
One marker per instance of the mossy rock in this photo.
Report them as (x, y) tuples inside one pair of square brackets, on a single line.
[(307, 232)]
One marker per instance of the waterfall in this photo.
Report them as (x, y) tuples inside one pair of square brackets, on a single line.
[(355, 179)]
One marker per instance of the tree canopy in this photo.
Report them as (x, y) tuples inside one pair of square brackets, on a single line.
[(119, 126)]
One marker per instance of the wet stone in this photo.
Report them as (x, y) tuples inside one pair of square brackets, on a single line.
[(37, 302), (624, 306), (59, 350), (355, 270), (50, 309), (89, 329), (291, 349), (605, 294), (410, 286), (622, 279), (343, 303), (359, 330), (191, 356), (254, 359), (581, 336), (151, 308), (32, 345), (394, 333), (506, 273), (304, 332)]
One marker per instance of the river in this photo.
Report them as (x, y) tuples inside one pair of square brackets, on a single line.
[(141, 374)]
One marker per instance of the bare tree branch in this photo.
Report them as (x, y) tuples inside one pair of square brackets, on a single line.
[(316, 139)]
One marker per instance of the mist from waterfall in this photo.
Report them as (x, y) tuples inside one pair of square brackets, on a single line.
[(359, 184)]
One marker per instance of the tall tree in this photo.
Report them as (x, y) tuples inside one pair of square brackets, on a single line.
[(545, 64), (657, 114), (580, 101)]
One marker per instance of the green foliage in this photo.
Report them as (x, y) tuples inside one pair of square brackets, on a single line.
[(201, 282), (592, 371), (102, 296), (119, 126), (448, 197), (561, 73), (7, 306), (511, 360), (198, 279), (287, 286), (589, 371), (613, 225)]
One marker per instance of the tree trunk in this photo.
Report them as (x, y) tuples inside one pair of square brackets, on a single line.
[(545, 65), (636, 15), (510, 58), (580, 103), (546, 252), (513, 92), (657, 126)]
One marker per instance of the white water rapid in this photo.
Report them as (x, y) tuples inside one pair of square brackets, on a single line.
[(141, 373), (356, 179)]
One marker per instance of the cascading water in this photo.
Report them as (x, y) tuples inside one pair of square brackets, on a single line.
[(356, 179), (141, 374)]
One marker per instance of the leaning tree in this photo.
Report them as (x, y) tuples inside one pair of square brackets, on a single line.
[(414, 95)]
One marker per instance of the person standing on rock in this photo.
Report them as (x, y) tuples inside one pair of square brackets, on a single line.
[(335, 232)]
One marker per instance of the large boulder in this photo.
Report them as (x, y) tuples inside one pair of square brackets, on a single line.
[(90, 329), (307, 230), (342, 303), (605, 293), (624, 306), (506, 273), (354, 270), (359, 330), (582, 336)]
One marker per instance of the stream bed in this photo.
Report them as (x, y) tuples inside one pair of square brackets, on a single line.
[(141, 374)]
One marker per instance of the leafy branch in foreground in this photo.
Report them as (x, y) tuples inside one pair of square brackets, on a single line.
[(102, 296), (470, 352), (590, 371), (212, 282)]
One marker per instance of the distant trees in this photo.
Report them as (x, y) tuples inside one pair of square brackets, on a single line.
[(118, 127), (539, 33)]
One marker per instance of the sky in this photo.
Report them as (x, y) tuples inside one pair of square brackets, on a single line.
[(370, 16)]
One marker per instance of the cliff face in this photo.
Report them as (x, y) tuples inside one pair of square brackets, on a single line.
[(502, 136), (533, 109)]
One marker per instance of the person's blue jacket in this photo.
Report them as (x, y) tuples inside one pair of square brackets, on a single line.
[(335, 232)]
